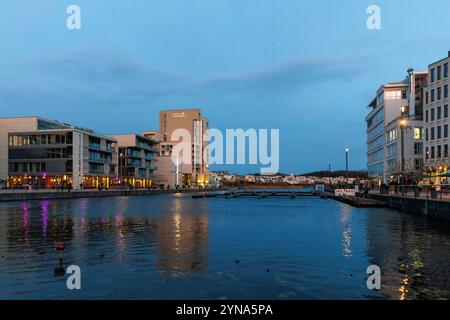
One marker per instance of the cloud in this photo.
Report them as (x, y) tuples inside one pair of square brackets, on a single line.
[(113, 79), (286, 77)]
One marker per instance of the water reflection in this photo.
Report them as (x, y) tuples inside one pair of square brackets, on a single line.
[(189, 248), (180, 239), (413, 256), (345, 219)]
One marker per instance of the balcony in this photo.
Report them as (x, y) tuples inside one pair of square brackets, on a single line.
[(100, 160)]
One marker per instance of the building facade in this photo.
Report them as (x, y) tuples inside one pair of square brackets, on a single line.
[(195, 170), (395, 130), (136, 160), (40, 153), (166, 172), (436, 121)]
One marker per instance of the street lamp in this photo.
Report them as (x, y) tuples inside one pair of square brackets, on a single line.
[(346, 162), (403, 126)]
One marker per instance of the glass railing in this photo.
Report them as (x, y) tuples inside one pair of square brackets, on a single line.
[(104, 160), (94, 145)]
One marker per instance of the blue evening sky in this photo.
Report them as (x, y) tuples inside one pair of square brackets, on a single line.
[(308, 68)]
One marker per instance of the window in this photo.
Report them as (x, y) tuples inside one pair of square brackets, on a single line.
[(426, 97), (432, 153), (432, 95), (439, 113), (426, 135), (418, 133), (418, 164), (446, 151), (418, 148), (427, 153), (446, 131), (432, 75), (393, 95), (439, 93), (392, 135), (439, 132), (426, 116), (432, 134), (446, 70), (446, 91), (432, 114), (439, 152), (446, 111), (439, 73)]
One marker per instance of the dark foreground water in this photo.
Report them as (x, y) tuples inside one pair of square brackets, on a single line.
[(176, 247)]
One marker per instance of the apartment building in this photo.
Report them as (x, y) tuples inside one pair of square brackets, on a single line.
[(194, 171), (166, 172), (395, 130), (41, 153), (436, 120), (136, 159)]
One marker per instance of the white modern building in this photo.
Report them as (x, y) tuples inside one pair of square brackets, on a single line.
[(395, 130)]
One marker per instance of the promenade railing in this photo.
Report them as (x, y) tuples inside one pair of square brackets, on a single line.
[(434, 192)]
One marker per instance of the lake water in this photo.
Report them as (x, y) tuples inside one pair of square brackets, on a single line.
[(176, 247)]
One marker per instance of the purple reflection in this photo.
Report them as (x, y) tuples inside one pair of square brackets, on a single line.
[(44, 208), (26, 219)]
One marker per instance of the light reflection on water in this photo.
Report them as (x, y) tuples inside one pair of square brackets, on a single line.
[(176, 247)]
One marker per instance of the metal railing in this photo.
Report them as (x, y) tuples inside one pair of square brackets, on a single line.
[(434, 192)]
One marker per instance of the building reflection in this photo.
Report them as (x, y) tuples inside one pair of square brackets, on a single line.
[(173, 242), (28, 226), (400, 244), (182, 240)]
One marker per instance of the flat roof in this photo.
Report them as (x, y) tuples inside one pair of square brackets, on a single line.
[(64, 126)]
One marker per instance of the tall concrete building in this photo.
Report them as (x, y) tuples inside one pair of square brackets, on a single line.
[(395, 130), (195, 170), (42, 153), (437, 119)]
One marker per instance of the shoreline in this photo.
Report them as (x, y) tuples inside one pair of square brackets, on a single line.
[(55, 195), (260, 187)]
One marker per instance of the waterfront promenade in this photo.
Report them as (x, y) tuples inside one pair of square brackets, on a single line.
[(46, 194), (436, 205)]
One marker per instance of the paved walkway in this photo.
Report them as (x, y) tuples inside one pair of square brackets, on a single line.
[(45, 191), (440, 196)]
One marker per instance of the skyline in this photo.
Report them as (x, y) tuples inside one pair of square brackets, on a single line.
[(257, 60)]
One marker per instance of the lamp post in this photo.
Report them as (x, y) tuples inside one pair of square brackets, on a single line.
[(403, 126), (329, 174), (346, 162)]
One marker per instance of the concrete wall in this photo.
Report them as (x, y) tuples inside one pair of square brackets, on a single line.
[(24, 196), (430, 208)]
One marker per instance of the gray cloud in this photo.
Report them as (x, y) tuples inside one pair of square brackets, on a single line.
[(286, 77), (114, 79)]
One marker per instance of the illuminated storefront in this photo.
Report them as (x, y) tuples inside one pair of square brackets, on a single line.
[(39, 181), (53, 155)]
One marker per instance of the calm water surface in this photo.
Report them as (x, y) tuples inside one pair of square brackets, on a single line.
[(176, 247)]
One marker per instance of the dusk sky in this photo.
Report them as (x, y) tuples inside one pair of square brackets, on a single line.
[(308, 68)]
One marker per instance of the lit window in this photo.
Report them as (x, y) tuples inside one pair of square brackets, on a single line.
[(418, 133)]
